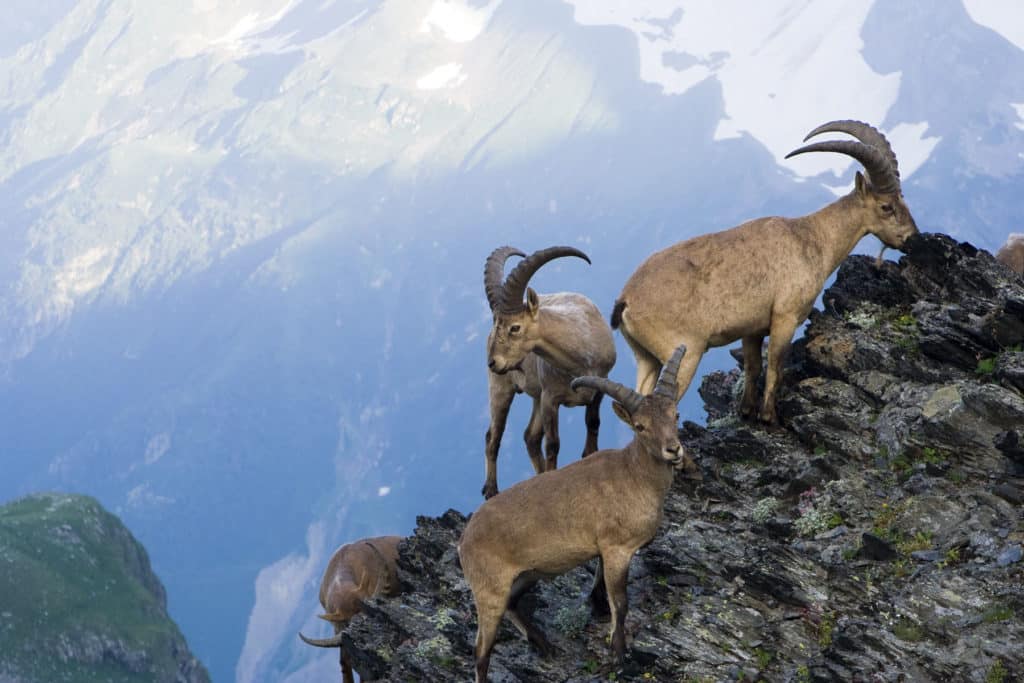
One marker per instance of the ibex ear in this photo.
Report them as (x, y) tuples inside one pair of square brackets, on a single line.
[(860, 183), (532, 302), (622, 413)]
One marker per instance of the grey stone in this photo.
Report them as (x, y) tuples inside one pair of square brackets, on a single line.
[(1010, 555)]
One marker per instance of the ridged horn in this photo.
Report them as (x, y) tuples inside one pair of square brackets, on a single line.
[(629, 399), (883, 179), (864, 132), (667, 382), (494, 273), (515, 284), (334, 641)]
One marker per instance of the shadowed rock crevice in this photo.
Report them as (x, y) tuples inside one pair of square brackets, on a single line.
[(876, 536)]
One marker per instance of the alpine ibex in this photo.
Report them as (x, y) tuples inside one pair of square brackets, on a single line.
[(536, 347), (1012, 253), (759, 278), (607, 505), (357, 571)]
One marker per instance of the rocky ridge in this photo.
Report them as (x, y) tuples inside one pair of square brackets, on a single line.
[(79, 601), (876, 536)]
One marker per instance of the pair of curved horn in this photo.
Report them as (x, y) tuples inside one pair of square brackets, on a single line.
[(629, 398), (873, 151), (507, 296), (334, 641)]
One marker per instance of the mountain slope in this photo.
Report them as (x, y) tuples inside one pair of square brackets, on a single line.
[(80, 600)]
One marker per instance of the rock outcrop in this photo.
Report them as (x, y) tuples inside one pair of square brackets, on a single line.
[(876, 536), (79, 601)]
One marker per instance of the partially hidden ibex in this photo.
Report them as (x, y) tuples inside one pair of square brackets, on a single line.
[(357, 570), (759, 278), (1011, 254), (607, 505), (536, 346)]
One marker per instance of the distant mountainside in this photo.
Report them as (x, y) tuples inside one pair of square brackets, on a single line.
[(241, 243), (79, 600)]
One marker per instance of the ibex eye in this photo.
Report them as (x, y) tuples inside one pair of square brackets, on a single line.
[(887, 208), (514, 329), (638, 427)]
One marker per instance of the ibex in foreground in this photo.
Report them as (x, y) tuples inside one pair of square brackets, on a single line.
[(1012, 253), (357, 571), (759, 278), (536, 347), (607, 505)]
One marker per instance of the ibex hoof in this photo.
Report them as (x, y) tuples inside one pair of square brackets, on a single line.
[(489, 491)]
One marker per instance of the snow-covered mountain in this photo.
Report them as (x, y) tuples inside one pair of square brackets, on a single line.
[(241, 241)]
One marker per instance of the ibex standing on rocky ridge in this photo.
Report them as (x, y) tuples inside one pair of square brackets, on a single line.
[(536, 347), (357, 571), (759, 278), (607, 505)]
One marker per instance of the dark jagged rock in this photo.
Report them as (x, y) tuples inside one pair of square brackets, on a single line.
[(901, 441)]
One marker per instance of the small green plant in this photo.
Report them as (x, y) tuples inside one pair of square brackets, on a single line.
[(986, 366), (590, 666), (908, 631), (906, 320), (922, 540), (997, 613), (572, 620), (764, 658), (820, 450), (803, 674), (996, 674), (956, 476), (765, 509), (825, 628), (816, 514), (951, 559)]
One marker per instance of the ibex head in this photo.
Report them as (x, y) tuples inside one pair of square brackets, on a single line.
[(515, 331), (886, 215), (654, 418)]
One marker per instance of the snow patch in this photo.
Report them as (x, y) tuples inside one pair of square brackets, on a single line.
[(1019, 108), (251, 24), (1003, 17), (777, 61), (911, 146), (142, 496), (447, 75), (157, 448), (457, 20)]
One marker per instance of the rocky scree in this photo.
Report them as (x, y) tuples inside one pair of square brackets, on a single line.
[(876, 536)]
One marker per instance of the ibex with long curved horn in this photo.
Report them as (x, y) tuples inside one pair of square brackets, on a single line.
[(1011, 254), (759, 278), (538, 343), (607, 505), (357, 571)]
